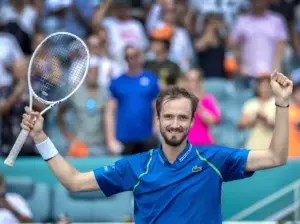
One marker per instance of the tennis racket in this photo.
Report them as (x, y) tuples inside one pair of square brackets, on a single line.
[(57, 68)]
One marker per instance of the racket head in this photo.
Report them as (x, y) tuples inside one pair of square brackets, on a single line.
[(62, 44)]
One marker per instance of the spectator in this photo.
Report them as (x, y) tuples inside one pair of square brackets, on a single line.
[(122, 29), (287, 10), (229, 8), (130, 113), (20, 18), (65, 15), (294, 121), (10, 51), (87, 104), (37, 38), (210, 47), (165, 13), (107, 68), (167, 71), (13, 207), (260, 38), (208, 113), (13, 99), (259, 115)]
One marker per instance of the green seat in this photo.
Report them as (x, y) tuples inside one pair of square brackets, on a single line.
[(217, 87), (36, 194), (92, 206)]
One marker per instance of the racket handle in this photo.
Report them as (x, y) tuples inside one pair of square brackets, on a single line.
[(14, 152)]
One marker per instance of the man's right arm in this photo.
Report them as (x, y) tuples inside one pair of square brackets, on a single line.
[(70, 178)]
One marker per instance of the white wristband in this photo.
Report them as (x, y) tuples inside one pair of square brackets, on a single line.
[(47, 149)]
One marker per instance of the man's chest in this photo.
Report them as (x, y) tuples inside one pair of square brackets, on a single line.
[(181, 181)]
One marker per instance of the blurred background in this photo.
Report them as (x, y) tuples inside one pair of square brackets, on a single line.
[(221, 50)]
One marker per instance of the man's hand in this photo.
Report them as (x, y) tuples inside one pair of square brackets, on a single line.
[(282, 88), (34, 122), (115, 147)]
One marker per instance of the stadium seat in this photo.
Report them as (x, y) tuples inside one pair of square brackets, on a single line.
[(217, 87), (92, 206), (228, 135), (37, 195)]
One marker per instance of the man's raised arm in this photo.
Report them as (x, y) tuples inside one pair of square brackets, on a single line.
[(277, 153), (71, 178)]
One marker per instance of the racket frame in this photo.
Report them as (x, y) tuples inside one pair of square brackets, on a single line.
[(10, 160), (33, 94)]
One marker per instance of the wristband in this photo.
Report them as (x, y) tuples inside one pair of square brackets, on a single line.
[(277, 105), (47, 149)]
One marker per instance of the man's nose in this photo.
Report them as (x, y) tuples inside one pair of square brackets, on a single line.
[(175, 123)]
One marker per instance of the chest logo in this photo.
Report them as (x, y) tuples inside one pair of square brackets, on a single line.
[(196, 169)]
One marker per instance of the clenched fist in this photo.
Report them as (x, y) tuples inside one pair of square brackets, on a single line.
[(33, 122), (282, 88)]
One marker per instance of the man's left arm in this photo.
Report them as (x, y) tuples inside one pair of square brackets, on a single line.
[(277, 153)]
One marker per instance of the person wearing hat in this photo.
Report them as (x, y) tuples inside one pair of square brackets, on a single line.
[(167, 70)]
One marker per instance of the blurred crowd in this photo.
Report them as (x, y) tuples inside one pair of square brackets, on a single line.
[(141, 47)]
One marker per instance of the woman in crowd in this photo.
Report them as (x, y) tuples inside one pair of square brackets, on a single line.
[(208, 113)]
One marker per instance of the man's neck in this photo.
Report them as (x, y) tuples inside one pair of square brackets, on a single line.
[(171, 152), (135, 71), (161, 57), (259, 13)]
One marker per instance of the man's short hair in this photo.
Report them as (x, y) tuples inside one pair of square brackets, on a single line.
[(175, 92)]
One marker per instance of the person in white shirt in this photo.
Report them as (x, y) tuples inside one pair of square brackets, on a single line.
[(123, 30), (19, 11), (181, 51), (10, 51), (108, 69), (13, 207)]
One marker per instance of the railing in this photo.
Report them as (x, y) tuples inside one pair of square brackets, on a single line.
[(295, 187)]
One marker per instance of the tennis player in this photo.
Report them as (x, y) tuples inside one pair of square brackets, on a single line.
[(176, 183)]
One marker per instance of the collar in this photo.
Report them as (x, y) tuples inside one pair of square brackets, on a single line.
[(187, 150)]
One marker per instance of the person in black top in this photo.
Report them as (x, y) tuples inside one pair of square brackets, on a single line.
[(210, 47)]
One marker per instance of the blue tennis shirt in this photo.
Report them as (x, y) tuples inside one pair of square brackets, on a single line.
[(187, 191)]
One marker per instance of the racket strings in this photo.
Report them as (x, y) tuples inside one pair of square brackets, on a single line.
[(59, 66)]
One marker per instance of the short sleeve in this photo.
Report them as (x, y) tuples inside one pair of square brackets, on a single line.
[(115, 178), (281, 29), (237, 31), (232, 163)]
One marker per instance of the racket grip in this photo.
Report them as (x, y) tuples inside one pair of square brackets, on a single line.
[(14, 152)]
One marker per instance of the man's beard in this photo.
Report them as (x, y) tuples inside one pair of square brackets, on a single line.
[(173, 142)]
